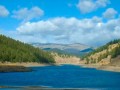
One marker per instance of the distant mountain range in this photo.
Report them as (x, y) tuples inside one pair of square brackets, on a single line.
[(72, 49)]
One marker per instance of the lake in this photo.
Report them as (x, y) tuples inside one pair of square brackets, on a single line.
[(65, 76)]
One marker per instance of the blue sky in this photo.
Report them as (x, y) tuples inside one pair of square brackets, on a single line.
[(91, 22)]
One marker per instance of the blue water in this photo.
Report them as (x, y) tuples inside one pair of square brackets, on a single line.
[(66, 76)]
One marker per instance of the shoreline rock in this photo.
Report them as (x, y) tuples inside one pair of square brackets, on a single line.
[(25, 67), (11, 68), (102, 67)]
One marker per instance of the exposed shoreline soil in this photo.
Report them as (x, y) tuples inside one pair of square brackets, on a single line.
[(14, 68), (102, 67), (25, 67)]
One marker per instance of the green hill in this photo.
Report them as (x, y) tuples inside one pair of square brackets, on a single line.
[(16, 51), (107, 52)]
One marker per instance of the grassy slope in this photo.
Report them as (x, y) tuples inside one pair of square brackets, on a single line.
[(111, 49)]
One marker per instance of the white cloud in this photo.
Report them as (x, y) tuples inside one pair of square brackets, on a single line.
[(3, 11), (28, 14), (102, 3), (110, 13), (71, 30), (87, 6)]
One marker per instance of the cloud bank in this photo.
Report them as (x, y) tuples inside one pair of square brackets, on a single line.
[(91, 31)]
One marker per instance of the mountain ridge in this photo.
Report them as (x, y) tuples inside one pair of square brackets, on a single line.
[(73, 49)]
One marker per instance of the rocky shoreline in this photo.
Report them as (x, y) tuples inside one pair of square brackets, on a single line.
[(40, 88), (25, 87), (11, 68), (102, 67), (25, 67), (19, 67)]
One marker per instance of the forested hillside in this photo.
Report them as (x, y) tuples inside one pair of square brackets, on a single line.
[(105, 53), (16, 51)]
